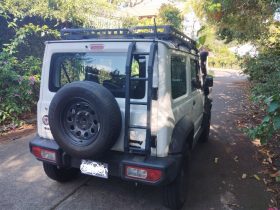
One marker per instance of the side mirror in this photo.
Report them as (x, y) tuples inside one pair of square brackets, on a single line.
[(208, 81), (196, 84)]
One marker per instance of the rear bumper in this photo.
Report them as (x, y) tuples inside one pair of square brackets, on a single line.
[(116, 161)]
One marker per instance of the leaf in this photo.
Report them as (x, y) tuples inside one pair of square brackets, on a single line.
[(277, 174), (268, 100), (276, 123), (202, 39), (12, 25), (270, 190), (257, 177), (277, 179), (273, 106), (266, 119)]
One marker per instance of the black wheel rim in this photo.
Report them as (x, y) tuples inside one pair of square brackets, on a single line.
[(81, 123)]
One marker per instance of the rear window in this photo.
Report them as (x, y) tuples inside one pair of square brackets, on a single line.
[(107, 69)]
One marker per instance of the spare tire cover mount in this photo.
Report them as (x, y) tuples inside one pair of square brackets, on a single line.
[(81, 122)]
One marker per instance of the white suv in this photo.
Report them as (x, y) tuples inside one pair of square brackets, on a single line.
[(122, 102)]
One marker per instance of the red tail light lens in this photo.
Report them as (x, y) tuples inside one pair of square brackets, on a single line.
[(147, 174), (44, 154)]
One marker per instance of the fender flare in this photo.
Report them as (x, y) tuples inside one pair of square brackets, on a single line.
[(181, 131)]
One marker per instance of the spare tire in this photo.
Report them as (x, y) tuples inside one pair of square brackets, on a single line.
[(85, 119)]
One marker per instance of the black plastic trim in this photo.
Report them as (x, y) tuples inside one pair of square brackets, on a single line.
[(116, 161), (181, 131), (131, 49), (151, 62)]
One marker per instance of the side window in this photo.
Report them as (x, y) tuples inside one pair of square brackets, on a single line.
[(178, 76), (195, 75)]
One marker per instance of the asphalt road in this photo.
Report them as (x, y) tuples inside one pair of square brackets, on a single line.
[(212, 184)]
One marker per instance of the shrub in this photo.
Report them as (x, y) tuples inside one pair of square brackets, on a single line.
[(19, 87), (264, 72)]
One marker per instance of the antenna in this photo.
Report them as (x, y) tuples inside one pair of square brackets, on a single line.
[(155, 30)]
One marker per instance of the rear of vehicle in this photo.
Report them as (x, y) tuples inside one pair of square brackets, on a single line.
[(106, 63), (106, 109)]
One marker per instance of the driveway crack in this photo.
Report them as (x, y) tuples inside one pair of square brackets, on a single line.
[(70, 194)]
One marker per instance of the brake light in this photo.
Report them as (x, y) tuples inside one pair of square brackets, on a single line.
[(147, 174), (97, 47), (44, 154)]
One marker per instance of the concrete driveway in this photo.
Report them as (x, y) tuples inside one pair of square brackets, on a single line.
[(215, 179)]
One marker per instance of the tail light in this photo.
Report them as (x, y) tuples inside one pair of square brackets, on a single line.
[(142, 173), (44, 154)]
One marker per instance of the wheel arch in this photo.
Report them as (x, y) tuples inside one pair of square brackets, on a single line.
[(182, 133)]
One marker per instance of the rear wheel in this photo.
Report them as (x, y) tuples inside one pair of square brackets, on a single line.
[(60, 174), (175, 193)]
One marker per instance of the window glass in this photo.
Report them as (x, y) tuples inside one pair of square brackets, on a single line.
[(107, 69), (194, 74), (178, 76)]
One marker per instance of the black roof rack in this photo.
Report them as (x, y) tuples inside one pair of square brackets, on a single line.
[(164, 32)]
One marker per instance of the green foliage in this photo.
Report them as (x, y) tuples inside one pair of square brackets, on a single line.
[(19, 86), (220, 55), (19, 77), (244, 20), (270, 123), (170, 15), (129, 22), (24, 27), (29, 40), (77, 12), (147, 22), (264, 71), (252, 21)]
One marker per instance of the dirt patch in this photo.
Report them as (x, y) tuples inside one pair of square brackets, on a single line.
[(268, 155), (18, 133)]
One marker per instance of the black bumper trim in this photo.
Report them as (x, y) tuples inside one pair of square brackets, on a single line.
[(116, 161)]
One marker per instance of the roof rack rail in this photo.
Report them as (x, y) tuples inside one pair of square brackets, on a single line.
[(90, 33), (163, 32)]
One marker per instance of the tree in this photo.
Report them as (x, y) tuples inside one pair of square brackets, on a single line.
[(170, 15), (242, 20), (79, 12), (252, 21)]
